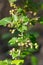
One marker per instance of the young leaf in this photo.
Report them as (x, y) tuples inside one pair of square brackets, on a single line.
[(15, 18), (12, 1), (17, 62), (22, 28), (5, 21), (19, 10), (12, 41), (25, 19)]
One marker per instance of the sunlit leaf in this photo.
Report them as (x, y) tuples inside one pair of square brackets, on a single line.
[(5, 21), (12, 1), (22, 28), (25, 19), (15, 18), (12, 41), (20, 10), (17, 62), (3, 63)]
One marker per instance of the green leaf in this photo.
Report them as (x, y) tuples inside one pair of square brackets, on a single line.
[(24, 54), (31, 50), (35, 34), (15, 54), (12, 41), (3, 63), (15, 18), (22, 28), (34, 60), (5, 21), (19, 10), (20, 39), (17, 62), (25, 23), (12, 1), (25, 19)]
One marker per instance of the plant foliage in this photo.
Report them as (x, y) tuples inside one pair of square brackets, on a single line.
[(23, 39)]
